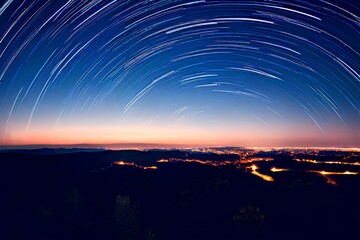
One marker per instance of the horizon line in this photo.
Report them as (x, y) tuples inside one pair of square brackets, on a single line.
[(145, 146)]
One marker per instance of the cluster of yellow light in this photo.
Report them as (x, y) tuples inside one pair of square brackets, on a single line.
[(211, 150), (254, 167), (122, 163), (327, 162), (150, 167), (274, 169), (254, 171), (326, 174), (250, 160), (335, 173), (329, 180), (204, 162), (163, 161), (306, 149)]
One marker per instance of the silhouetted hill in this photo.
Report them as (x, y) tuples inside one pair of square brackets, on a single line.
[(85, 195), (51, 151)]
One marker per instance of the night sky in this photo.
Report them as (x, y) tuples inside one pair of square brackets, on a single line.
[(244, 73)]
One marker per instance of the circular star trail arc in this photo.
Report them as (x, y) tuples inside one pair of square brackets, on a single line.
[(206, 72)]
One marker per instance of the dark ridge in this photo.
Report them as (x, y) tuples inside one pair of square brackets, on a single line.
[(51, 151)]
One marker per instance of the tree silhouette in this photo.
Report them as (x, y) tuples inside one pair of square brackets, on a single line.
[(125, 212), (249, 220)]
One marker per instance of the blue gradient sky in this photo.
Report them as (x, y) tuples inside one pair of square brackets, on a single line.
[(247, 73)]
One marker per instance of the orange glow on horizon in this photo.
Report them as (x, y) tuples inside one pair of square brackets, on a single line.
[(167, 135)]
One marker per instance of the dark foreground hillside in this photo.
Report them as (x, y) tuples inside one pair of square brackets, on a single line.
[(86, 196)]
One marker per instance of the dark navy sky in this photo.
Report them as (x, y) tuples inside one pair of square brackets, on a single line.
[(249, 73)]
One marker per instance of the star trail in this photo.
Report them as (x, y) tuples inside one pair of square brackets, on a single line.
[(244, 73)]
